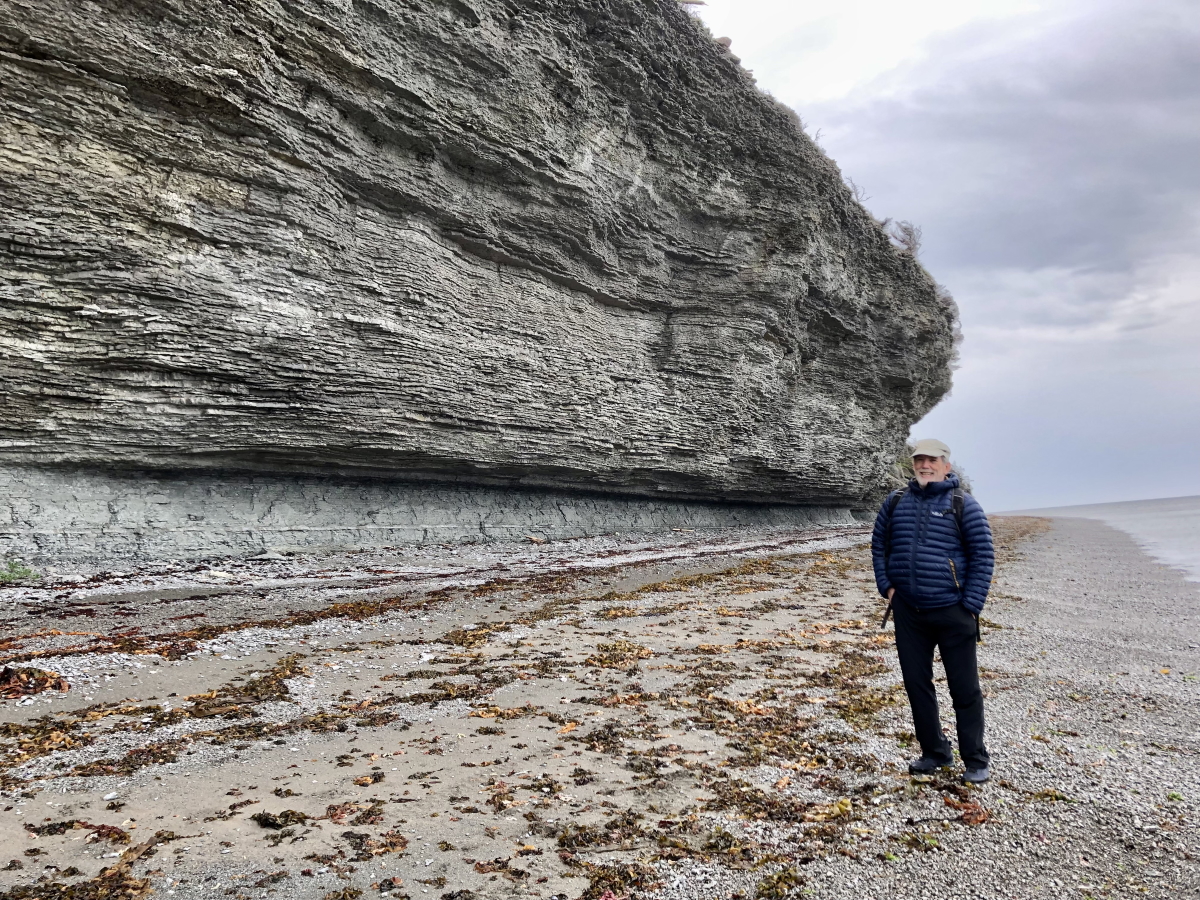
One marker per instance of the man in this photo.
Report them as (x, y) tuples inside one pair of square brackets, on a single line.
[(933, 558)]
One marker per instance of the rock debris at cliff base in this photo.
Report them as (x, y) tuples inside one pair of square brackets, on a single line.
[(670, 720), (566, 245)]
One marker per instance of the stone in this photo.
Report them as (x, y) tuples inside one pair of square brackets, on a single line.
[(552, 246), (49, 513)]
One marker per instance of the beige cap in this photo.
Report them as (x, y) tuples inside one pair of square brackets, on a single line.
[(930, 447)]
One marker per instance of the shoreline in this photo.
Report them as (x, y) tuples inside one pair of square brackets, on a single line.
[(600, 715), (1168, 528)]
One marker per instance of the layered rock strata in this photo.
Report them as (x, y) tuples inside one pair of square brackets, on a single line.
[(48, 515), (562, 245)]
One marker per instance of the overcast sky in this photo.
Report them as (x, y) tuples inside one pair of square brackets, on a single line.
[(1050, 151)]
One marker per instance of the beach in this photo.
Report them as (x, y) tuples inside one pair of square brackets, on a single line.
[(1167, 528), (675, 717)]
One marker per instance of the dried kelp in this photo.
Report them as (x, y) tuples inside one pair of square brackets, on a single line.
[(25, 681)]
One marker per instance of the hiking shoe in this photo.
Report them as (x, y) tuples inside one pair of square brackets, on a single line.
[(979, 775), (926, 765)]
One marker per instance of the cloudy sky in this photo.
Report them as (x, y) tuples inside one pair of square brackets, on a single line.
[(1050, 151)]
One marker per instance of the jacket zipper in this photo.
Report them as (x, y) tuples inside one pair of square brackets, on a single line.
[(920, 533), (954, 574)]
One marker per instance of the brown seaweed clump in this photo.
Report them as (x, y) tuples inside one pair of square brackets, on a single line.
[(24, 681), (115, 882)]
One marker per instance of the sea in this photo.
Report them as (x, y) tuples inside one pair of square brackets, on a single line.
[(1168, 529)]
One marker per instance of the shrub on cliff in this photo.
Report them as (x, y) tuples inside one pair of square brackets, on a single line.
[(14, 570)]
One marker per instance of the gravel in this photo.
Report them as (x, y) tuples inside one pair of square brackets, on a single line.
[(1102, 710), (1090, 667)]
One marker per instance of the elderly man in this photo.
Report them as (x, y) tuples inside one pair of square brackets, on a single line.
[(933, 557)]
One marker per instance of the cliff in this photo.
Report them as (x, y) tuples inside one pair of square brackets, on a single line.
[(536, 243)]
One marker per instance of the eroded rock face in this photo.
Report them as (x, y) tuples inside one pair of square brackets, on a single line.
[(505, 243)]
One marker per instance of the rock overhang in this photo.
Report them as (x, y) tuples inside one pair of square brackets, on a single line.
[(563, 246)]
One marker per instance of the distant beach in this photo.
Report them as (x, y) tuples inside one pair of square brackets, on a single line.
[(1168, 529)]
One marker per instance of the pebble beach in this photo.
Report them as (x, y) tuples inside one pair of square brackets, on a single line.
[(691, 716)]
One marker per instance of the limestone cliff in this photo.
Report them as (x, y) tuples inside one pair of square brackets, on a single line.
[(497, 242)]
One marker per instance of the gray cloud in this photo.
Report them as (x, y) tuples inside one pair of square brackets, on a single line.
[(1085, 129), (1052, 161)]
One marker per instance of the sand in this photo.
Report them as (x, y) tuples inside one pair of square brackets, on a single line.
[(682, 717)]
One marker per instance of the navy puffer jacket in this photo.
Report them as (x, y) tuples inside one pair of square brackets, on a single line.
[(929, 563)]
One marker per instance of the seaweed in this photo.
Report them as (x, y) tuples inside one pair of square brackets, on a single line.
[(970, 812), (753, 803), (115, 881), (923, 842), (25, 681), (371, 815), (619, 829), (473, 637), (110, 833), (1009, 532), (501, 796), (617, 879), (338, 812), (778, 885), (607, 738), (619, 612), (544, 785), (1051, 795), (152, 754), (496, 712), (367, 847), (502, 866), (280, 820), (619, 654)]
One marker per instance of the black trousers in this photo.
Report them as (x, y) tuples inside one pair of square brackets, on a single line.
[(953, 630)]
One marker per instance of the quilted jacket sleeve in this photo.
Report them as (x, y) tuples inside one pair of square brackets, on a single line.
[(879, 547), (977, 535)]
